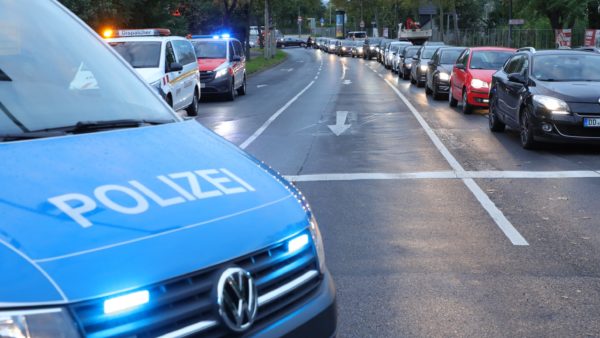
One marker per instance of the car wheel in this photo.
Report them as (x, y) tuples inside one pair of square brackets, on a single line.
[(493, 120), (526, 133), (192, 109), (230, 95), (405, 75), (451, 100), (428, 90), (242, 90), (435, 92), (466, 107), (412, 80)]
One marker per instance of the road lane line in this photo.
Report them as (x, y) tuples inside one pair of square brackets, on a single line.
[(503, 223), (262, 128), (448, 174)]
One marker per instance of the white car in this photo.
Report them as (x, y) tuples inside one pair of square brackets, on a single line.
[(167, 63)]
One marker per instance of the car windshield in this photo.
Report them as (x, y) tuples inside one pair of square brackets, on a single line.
[(209, 49), (347, 43), (410, 52), (449, 57), (428, 52), (71, 81), (566, 67), (489, 59), (139, 54)]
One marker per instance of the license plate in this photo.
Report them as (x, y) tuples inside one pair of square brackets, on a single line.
[(202, 85), (591, 122)]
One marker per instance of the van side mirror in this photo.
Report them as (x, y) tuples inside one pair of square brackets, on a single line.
[(175, 67), (236, 58)]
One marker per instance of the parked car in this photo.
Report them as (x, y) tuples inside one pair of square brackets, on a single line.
[(371, 48), (548, 95), (472, 74), (120, 219), (289, 41), (418, 70), (358, 49), (222, 64), (439, 70), (406, 62)]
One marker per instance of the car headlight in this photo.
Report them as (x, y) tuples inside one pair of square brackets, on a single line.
[(360, 49), (444, 77), (221, 72), (423, 68), (478, 84), (409, 65), (371, 48), (343, 48), (556, 106), (318, 240), (377, 49), (37, 323)]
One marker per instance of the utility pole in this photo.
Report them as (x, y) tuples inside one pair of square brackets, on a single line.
[(267, 32), (509, 23)]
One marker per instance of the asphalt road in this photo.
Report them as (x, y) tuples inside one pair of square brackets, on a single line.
[(433, 225)]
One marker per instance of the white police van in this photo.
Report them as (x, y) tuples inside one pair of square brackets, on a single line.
[(118, 219), (168, 63)]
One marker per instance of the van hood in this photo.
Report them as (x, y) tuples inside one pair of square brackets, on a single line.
[(150, 74), (151, 203), (210, 64)]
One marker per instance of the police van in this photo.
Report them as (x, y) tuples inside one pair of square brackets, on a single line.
[(168, 63), (119, 219)]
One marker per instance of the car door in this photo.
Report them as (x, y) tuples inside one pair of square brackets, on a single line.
[(239, 66), (514, 90), (432, 66), (184, 51), (499, 86), (172, 76), (459, 74)]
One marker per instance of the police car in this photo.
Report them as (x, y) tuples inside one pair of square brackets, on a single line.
[(119, 219), (168, 63), (222, 64)]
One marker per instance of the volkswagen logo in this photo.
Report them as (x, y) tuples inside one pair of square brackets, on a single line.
[(237, 299)]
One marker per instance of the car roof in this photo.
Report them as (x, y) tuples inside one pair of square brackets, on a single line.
[(559, 52), (146, 38), (475, 49)]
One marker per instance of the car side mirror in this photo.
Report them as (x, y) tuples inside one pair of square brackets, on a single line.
[(415, 58), (460, 66), (175, 67), (236, 58), (431, 63), (517, 78), (394, 53)]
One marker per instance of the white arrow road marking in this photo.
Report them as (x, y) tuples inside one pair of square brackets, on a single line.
[(340, 123), (260, 86), (344, 69), (287, 69), (347, 82)]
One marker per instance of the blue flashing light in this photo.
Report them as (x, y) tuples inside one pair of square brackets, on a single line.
[(297, 243), (215, 37), (225, 36), (126, 302)]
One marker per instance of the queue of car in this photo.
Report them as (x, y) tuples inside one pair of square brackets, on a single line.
[(551, 95)]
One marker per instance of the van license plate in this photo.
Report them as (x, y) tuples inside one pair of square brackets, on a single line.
[(591, 122)]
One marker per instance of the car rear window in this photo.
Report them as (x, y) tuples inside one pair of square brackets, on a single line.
[(139, 54)]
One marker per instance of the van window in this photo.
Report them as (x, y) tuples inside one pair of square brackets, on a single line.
[(71, 81), (185, 52), (169, 56), (139, 54)]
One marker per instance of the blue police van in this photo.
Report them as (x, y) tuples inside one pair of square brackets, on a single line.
[(118, 219)]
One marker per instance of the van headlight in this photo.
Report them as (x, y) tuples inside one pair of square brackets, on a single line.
[(556, 106), (318, 240), (37, 323), (221, 73)]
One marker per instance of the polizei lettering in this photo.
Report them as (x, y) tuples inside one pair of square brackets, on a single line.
[(182, 187)]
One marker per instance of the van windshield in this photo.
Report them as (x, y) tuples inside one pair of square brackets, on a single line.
[(139, 54), (208, 49), (55, 73)]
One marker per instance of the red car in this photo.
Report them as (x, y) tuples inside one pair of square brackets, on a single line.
[(472, 74)]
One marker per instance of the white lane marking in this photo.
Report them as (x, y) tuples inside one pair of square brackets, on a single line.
[(260, 130), (316, 77), (37, 267), (261, 86), (503, 223), (287, 69), (347, 82), (140, 239), (449, 174), (344, 69), (340, 125)]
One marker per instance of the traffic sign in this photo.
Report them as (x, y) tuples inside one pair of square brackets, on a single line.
[(515, 22), (362, 24), (299, 19)]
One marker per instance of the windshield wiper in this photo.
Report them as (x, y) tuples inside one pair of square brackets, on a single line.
[(91, 126), (30, 135)]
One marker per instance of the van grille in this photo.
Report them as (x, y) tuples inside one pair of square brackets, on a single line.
[(187, 301), (207, 76)]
